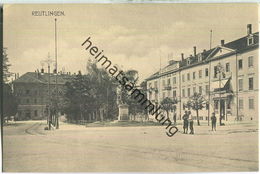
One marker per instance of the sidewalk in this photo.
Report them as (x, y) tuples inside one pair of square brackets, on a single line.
[(229, 128)]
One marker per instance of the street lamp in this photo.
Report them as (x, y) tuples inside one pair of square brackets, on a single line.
[(48, 61)]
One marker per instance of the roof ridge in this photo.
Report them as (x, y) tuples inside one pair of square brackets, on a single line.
[(36, 77)]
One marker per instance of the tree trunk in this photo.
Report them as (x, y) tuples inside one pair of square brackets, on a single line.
[(101, 114), (198, 121), (57, 121), (81, 115), (52, 119), (97, 116), (220, 119)]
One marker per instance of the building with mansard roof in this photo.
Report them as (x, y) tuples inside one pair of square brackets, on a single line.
[(226, 76)]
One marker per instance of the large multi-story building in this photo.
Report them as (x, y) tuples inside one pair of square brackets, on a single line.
[(33, 95), (226, 75)]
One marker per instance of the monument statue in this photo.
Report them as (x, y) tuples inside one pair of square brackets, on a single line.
[(123, 114)]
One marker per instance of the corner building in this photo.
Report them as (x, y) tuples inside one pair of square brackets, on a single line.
[(31, 91)]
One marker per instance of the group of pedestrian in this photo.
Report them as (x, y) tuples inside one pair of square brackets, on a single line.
[(187, 122)]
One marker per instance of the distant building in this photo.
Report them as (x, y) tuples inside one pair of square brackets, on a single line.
[(31, 90), (232, 93)]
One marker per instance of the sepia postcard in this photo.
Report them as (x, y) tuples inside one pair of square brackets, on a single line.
[(130, 87)]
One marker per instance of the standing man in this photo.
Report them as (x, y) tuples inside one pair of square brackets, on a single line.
[(191, 123), (185, 122), (174, 118), (213, 121)]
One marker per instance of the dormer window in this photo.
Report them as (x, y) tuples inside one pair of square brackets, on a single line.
[(250, 40), (188, 61), (199, 57)]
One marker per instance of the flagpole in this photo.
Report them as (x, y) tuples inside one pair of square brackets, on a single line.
[(159, 101), (210, 39), (56, 80)]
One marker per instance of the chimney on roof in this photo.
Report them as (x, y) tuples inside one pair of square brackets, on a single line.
[(38, 73), (222, 42), (249, 29), (182, 56), (194, 51)]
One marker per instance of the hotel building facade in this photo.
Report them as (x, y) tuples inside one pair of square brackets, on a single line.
[(226, 76)]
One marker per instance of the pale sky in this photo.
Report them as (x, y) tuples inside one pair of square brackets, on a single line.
[(131, 35)]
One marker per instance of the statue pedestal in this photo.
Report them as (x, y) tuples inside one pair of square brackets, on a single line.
[(123, 114)]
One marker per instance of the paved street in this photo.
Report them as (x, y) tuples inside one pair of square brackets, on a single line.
[(74, 148)]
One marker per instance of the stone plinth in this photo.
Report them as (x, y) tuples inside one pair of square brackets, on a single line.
[(123, 114)]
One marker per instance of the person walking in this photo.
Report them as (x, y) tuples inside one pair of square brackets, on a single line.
[(213, 121), (185, 122), (191, 123)]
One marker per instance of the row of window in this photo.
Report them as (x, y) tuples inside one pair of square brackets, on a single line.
[(184, 106), (30, 101), (216, 102), (188, 75), (35, 92), (250, 84), (250, 60), (28, 113), (174, 92), (250, 103), (240, 87), (219, 69), (174, 81), (200, 90), (28, 92)]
